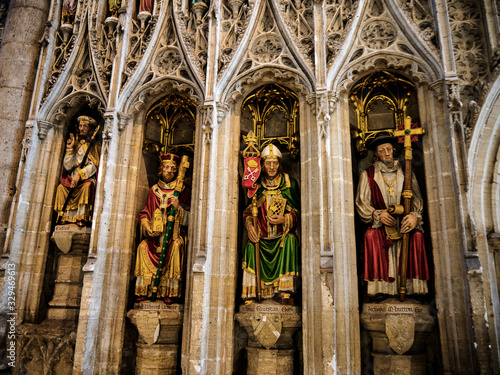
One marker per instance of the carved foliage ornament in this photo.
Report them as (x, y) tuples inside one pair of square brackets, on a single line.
[(378, 34), (167, 61), (267, 48), (299, 19), (468, 40), (339, 15)]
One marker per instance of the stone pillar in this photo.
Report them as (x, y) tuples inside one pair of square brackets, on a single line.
[(159, 327), (270, 327), (18, 58), (49, 347), (398, 331), (73, 242)]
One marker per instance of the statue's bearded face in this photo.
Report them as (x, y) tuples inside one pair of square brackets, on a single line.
[(168, 170), (83, 129), (271, 167), (385, 152)]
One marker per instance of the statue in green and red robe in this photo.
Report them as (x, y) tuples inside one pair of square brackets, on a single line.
[(278, 203)]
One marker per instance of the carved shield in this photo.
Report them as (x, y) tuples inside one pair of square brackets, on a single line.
[(267, 329), (148, 325), (400, 329)]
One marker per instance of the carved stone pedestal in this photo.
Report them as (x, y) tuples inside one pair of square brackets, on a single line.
[(270, 327), (398, 331), (73, 242), (159, 327)]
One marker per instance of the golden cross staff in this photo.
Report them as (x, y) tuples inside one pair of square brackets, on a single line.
[(407, 133)]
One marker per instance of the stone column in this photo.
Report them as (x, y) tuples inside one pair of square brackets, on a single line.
[(270, 327), (73, 244), (49, 347), (398, 331), (159, 327), (18, 58)]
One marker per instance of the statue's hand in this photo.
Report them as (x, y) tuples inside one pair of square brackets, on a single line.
[(175, 203), (387, 219), (276, 219), (252, 234), (75, 179), (409, 223), (70, 143), (150, 232)]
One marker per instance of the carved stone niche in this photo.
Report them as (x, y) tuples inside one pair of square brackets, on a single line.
[(399, 331), (270, 327), (73, 244), (159, 327)]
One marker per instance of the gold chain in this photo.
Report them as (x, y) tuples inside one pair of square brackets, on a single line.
[(390, 190)]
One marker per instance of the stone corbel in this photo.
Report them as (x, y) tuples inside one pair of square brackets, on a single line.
[(43, 128), (108, 126), (123, 120), (207, 126), (222, 111)]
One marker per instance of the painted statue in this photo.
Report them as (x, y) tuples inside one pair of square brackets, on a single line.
[(68, 11), (146, 6), (154, 217), (75, 193), (379, 193), (278, 204), (113, 6)]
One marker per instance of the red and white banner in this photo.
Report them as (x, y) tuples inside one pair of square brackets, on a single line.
[(251, 175)]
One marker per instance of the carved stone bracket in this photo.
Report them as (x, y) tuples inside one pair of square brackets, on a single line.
[(270, 327), (43, 128), (222, 111), (159, 326), (123, 120), (395, 328)]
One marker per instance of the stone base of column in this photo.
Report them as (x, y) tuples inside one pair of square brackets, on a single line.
[(73, 243), (398, 331), (270, 361), (399, 364), (159, 327), (270, 327)]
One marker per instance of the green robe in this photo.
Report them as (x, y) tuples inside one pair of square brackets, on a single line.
[(278, 245)]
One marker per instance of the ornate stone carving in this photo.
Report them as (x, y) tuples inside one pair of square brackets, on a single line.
[(468, 40), (339, 15), (295, 81), (421, 13), (59, 114), (155, 89), (193, 27), (167, 61), (410, 66), (378, 34), (267, 48), (43, 129), (62, 50), (46, 348), (299, 19), (400, 330), (207, 122), (103, 47), (139, 41), (323, 105), (235, 15)]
